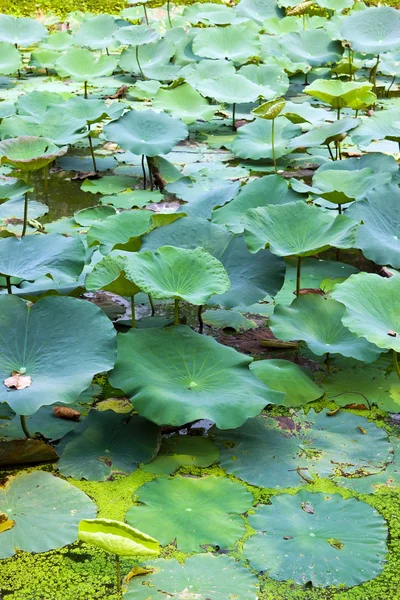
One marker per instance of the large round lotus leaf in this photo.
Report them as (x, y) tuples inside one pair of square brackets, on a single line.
[(29, 153), (337, 93), (14, 209), (313, 46), (202, 200), (372, 308), (382, 124), (318, 322), (60, 343), (229, 88), (106, 442), (40, 502), (271, 189), (185, 103), (96, 32), (296, 229), (109, 275), (339, 187), (199, 578), (324, 134), (146, 132), (318, 538), (10, 58), (287, 377), (82, 65), (175, 376), (190, 275), (194, 512), (255, 139), (117, 537), (52, 125), (151, 56), (275, 452), (21, 31), (209, 14), (182, 451), (259, 10), (375, 30), (60, 40), (122, 230), (384, 166), (136, 35), (34, 256), (234, 42), (7, 109), (271, 80)]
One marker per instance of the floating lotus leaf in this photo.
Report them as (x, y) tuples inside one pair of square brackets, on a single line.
[(296, 229), (120, 231), (271, 80), (89, 216), (312, 46), (134, 198), (234, 42), (209, 14), (154, 55), (40, 501), (109, 275), (182, 451), (136, 35), (96, 32), (6, 109), (90, 110), (176, 376), (229, 88), (185, 103), (37, 103), (255, 140), (60, 41), (29, 153), (14, 209), (318, 322), (259, 10), (303, 112), (324, 134), (192, 511), (337, 93), (372, 308), (281, 452), (146, 132), (375, 30), (60, 342), (384, 124), (106, 442), (228, 319), (318, 538), (287, 377), (21, 31), (52, 125), (194, 73), (11, 187), (10, 58), (117, 537), (190, 275), (201, 202), (82, 65), (110, 184)]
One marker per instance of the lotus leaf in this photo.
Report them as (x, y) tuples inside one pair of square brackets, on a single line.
[(117, 537), (88, 216), (185, 103), (120, 231), (192, 511), (270, 110), (14, 209), (313, 46), (110, 184), (10, 57), (255, 140), (154, 55), (342, 187), (382, 125), (259, 10), (136, 35), (176, 376), (29, 153), (36, 103), (60, 342), (201, 202), (11, 187), (324, 134), (338, 93), (182, 451), (194, 73), (96, 32), (316, 538), (134, 198), (271, 80), (228, 319), (40, 500), (60, 41), (44, 59), (90, 110), (51, 125), (82, 65), (229, 88), (375, 30), (6, 109), (21, 31), (234, 42), (209, 14), (337, 5), (109, 275)]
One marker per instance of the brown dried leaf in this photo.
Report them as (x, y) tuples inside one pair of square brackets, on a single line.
[(363, 431), (17, 381), (392, 333), (64, 412), (85, 175), (305, 291), (26, 451), (137, 571), (120, 93), (355, 406), (307, 508), (278, 344), (5, 523)]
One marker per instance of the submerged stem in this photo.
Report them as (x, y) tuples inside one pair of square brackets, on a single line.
[(298, 276), (176, 312), (24, 427), (85, 89), (396, 363), (118, 573), (91, 150), (150, 175), (46, 179), (133, 311), (273, 143), (330, 151)]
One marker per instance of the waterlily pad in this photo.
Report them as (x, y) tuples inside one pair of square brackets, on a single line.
[(375, 30), (228, 319), (182, 451), (134, 198), (87, 216), (117, 537), (11, 59), (29, 153), (110, 184), (255, 140), (317, 538), (185, 103), (109, 275), (259, 10), (96, 32), (234, 42), (324, 134), (192, 511), (21, 31), (40, 500), (82, 65), (122, 230), (312, 46)]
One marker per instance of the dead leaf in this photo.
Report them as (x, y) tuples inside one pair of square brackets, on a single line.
[(392, 333), (5, 523), (287, 537), (85, 175), (363, 431), (65, 412), (305, 291), (355, 406), (278, 344), (307, 508), (137, 571), (120, 93), (333, 412), (26, 451), (17, 381)]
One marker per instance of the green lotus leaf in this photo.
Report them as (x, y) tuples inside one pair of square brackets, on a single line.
[(229, 88), (194, 73), (144, 90), (88, 216), (156, 54), (190, 275), (109, 184), (134, 198), (312, 46), (305, 113), (209, 14), (372, 308), (337, 5), (337, 93), (52, 125), (117, 537), (44, 59), (136, 35), (271, 189), (29, 153), (121, 231), (379, 236), (192, 511), (90, 110), (82, 65), (287, 377), (34, 256), (60, 342), (10, 57), (40, 500), (10, 187), (109, 275), (60, 41), (270, 110), (21, 31), (6, 109), (375, 30), (318, 322), (234, 42), (341, 187), (255, 139), (14, 210), (275, 452), (182, 451), (185, 103), (201, 202), (37, 103), (324, 134), (271, 80), (107, 442), (228, 319), (96, 32), (146, 132), (176, 376), (259, 10), (363, 101), (316, 538), (382, 125), (296, 229)]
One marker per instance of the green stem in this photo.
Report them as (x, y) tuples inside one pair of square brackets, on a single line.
[(338, 114), (8, 283), (46, 179), (176, 312), (118, 573), (85, 89), (350, 64), (330, 152), (390, 86), (298, 276), (153, 308), (133, 311), (150, 175), (234, 116), (26, 202), (24, 427), (200, 318), (339, 206), (91, 150), (328, 363), (138, 62), (145, 14), (169, 14), (273, 144), (396, 363), (144, 173)]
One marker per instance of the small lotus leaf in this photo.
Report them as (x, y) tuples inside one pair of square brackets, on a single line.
[(270, 110), (182, 451), (228, 319), (134, 198), (312, 46), (122, 230), (60, 41), (10, 58), (271, 80), (229, 88), (384, 124), (255, 140), (324, 134), (259, 10), (117, 537), (109, 275), (136, 35), (109, 184), (337, 93)]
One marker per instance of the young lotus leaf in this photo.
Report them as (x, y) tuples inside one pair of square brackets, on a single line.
[(146, 132), (318, 322), (312, 46), (82, 65), (180, 273), (296, 229), (134, 198), (109, 275), (39, 501), (136, 35), (375, 30), (317, 538), (175, 376), (372, 308), (270, 110), (185, 103), (228, 319), (109, 184), (108, 442), (382, 125), (29, 153), (21, 31), (256, 139), (259, 10), (192, 511), (234, 42), (117, 537), (229, 88), (10, 58), (182, 451), (96, 32), (271, 80), (281, 452), (287, 377), (337, 93), (324, 134), (120, 231), (61, 343)]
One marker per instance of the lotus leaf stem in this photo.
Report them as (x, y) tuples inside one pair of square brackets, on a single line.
[(138, 62), (150, 175), (200, 318), (107, 52), (144, 173), (133, 311), (91, 150), (118, 565), (234, 116), (391, 83), (176, 312), (338, 114), (26, 202), (153, 308), (8, 283), (330, 151), (298, 276), (273, 144), (85, 89), (372, 73), (24, 427), (169, 14), (350, 63), (396, 363), (145, 14), (46, 179), (339, 206), (328, 363)]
